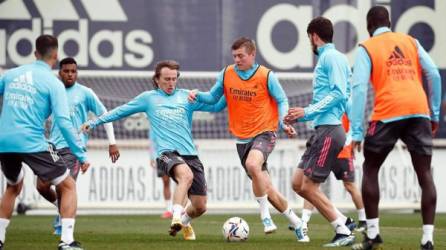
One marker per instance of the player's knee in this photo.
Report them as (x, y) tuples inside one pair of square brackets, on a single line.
[(201, 208), (253, 169), (186, 177), (42, 187), (349, 186), (297, 186), (67, 185), (15, 189)]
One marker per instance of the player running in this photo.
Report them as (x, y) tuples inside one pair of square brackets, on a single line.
[(81, 101), (256, 107), (330, 95), (30, 94)]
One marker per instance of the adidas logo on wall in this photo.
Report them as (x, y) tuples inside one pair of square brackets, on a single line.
[(75, 24)]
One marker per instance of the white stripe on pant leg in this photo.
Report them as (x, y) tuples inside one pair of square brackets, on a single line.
[(19, 178), (56, 181)]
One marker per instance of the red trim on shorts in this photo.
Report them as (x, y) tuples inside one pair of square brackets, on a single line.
[(324, 152), (372, 128)]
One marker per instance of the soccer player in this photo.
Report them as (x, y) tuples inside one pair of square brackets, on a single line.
[(30, 94), (81, 101), (393, 63), (343, 170), (170, 116), (330, 95), (167, 214), (256, 106)]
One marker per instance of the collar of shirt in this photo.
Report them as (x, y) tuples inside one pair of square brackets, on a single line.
[(381, 30), (164, 93), (42, 63), (245, 74), (325, 47)]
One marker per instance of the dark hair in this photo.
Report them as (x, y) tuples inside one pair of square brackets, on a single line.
[(322, 27), (246, 42), (45, 44), (67, 60), (378, 16), (171, 64)]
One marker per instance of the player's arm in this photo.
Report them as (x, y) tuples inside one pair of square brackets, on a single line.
[(97, 107), (338, 89), (212, 96), (276, 91), (139, 104), (360, 85), (2, 85), (432, 74), (215, 108), (61, 117)]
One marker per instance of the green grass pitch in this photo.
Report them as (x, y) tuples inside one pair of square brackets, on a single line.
[(399, 231)]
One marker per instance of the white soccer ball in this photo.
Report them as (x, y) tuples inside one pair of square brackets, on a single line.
[(235, 229)]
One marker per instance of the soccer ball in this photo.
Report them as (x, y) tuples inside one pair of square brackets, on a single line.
[(235, 229)]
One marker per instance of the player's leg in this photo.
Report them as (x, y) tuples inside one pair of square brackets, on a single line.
[(281, 204), (11, 165), (172, 164), (344, 170), (45, 190), (183, 176), (353, 190), (197, 195), (418, 138), (167, 197), (379, 141), (322, 151), (73, 166), (50, 167), (307, 211)]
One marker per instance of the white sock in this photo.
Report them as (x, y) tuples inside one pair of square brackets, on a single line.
[(306, 215), (3, 225), (292, 218), (264, 209), (428, 233), (339, 227), (372, 228), (185, 219), (168, 205), (361, 214), (67, 230), (177, 210), (340, 215)]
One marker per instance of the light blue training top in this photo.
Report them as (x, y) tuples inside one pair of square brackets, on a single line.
[(170, 117), (30, 94), (330, 87), (81, 100)]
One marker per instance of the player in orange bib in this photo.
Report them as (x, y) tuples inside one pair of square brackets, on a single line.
[(393, 63), (257, 105)]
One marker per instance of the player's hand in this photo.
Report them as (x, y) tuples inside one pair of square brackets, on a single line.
[(85, 128), (356, 145), (153, 163), (192, 95), (294, 114), (113, 151), (434, 128), (84, 167), (289, 130)]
